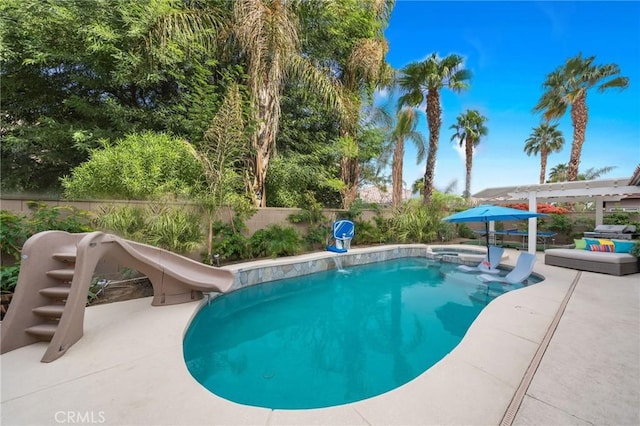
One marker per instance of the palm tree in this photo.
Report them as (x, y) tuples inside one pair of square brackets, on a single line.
[(568, 86), (365, 69), (544, 140), (264, 35), (468, 131), (405, 128), (267, 32), (420, 80), (559, 173), (593, 173)]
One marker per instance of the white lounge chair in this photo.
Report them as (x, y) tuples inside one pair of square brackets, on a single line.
[(524, 268), (489, 264)]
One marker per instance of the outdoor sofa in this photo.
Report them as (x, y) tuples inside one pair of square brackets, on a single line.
[(593, 261)]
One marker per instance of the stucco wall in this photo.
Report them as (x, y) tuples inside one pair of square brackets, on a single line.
[(263, 217)]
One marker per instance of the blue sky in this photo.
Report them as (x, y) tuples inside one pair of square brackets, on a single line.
[(510, 47)]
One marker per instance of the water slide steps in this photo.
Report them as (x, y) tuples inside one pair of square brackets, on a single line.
[(57, 268), (57, 296)]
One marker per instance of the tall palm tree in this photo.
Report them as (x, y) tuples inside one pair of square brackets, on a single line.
[(544, 140), (567, 86), (405, 128), (424, 80), (469, 128), (267, 32)]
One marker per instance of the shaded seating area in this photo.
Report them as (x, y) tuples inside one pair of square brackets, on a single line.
[(592, 261)]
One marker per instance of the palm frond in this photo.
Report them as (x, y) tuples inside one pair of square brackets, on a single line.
[(185, 27)]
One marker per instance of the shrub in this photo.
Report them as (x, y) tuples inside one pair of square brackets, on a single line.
[(275, 241), (140, 166), (175, 229), (318, 226), (228, 242), (15, 229), (125, 221), (412, 224), (541, 208), (416, 223), (13, 233), (464, 231), (559, 223), (621, 218), (9, 278), (368, 232)]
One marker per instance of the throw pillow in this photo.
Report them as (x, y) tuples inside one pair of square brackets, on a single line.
[(580, 244), (605, 242), (601, 247), (591, 241), (623, 246)]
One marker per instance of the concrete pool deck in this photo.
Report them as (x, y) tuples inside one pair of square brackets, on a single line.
[(128, 368)]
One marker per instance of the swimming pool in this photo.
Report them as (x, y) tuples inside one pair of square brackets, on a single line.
[(332, 338)]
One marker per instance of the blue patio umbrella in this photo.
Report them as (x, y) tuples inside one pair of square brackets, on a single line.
[(487, 213)]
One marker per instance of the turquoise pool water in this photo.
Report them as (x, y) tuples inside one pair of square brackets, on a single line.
[(333, 337)]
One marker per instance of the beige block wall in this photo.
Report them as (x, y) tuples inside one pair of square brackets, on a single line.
[(262, 219)]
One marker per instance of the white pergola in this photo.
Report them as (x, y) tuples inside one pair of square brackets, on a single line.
[(596, 191)]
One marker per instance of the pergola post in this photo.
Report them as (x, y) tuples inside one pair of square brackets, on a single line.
[(533, 223), (492, 235), (599, 210)]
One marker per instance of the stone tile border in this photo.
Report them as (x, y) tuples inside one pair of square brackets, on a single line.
[(251, 273)]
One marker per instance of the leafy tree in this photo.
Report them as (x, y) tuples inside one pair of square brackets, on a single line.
[(568, 86), (365, 69), (268, 36), (544, 140), (296, 176), (468, 131), (306, 162), (345, 39), (405, 128), (75, 73), (424, 80), (139, 166)]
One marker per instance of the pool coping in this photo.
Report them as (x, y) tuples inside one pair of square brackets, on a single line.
[(129, 368), (260, 271)]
